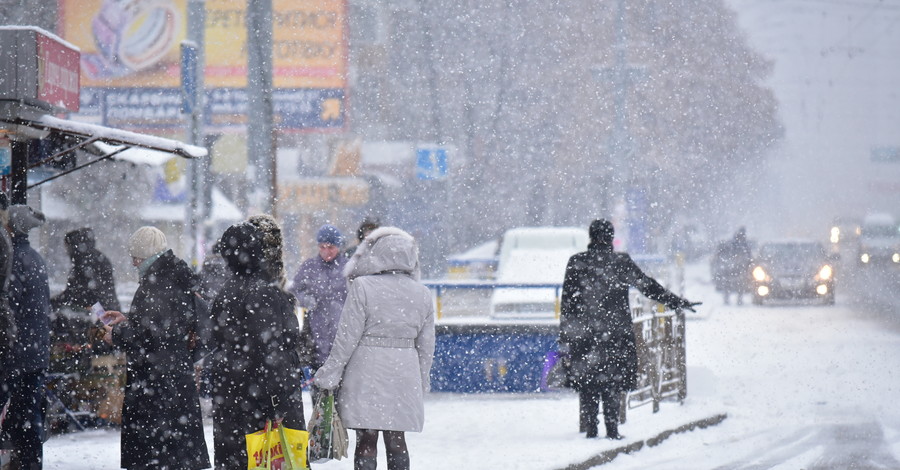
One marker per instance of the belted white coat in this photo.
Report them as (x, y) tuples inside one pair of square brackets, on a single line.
[(382, 354)]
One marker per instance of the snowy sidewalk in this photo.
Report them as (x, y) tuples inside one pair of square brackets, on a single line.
[(489, 431)]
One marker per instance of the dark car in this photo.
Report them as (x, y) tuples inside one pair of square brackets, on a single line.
[(793, 269)]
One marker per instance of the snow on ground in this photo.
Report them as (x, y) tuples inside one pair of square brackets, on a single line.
[(784, 374)]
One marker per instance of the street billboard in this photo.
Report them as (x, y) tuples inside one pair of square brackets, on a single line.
[(131, 50)]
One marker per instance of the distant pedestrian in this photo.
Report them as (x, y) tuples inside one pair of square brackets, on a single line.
[(321, 288), (731, 266), (162, 424), (384, 348), (257, 368), (365, 228), (24, 372), (596, 331), (91, 278)]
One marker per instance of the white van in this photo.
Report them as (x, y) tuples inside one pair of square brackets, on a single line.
[(879, 240), (534, 255)]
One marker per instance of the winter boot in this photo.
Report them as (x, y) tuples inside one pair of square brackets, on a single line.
[(612, 431)]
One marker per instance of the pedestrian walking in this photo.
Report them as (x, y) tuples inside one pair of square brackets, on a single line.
[(731, 264), (596, 332), (24, 372), (384, 348), (256, 368), (161, 419)]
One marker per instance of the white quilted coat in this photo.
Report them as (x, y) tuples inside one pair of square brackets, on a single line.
[(382, 354)]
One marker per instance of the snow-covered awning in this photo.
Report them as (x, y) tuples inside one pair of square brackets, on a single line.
[(91, 139)]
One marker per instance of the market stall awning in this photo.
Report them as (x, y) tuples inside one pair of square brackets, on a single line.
[(91, 143)]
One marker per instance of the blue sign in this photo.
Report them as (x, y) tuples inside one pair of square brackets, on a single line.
[(431, 163), (144, 108), (189, 58), (5, 161)]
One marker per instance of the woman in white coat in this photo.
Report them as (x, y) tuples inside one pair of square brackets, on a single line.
[(382, 354)]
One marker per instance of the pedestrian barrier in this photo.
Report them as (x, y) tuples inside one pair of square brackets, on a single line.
[(662, 365)]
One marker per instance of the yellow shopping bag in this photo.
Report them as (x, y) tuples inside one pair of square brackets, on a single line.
[(277, 448)]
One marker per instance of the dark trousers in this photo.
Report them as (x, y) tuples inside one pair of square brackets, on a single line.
[(24, 423), (589, 404)]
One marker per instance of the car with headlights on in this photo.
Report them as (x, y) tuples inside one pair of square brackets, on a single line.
[(793, 269), (879, 240)]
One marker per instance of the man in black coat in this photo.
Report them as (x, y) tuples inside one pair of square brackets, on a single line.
[(25, 371), (596, 331), (161, 419), (91, 279)]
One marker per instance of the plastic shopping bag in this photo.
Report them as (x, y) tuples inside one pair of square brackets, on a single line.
[(327, 436), (277, 448), (555, 375)]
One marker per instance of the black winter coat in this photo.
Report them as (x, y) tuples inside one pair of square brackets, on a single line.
[(90, 281), (7, 321), (596, 324), (29, 300), (256, 371), (161, 419)]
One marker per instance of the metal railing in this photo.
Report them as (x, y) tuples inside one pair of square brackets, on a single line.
[(662, 365)]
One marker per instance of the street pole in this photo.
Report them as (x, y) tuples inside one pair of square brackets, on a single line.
[(260, 129), (193, 59)]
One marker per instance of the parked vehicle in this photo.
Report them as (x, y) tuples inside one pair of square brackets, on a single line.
[(793, 269), (534, 255), (879, 240)]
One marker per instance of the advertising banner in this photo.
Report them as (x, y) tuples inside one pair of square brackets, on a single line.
[(132, 47)]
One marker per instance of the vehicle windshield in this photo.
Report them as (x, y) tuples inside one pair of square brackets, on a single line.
[(797, 252)]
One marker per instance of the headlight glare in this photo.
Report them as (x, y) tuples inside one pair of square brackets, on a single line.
[(825, 273), (759, 274)]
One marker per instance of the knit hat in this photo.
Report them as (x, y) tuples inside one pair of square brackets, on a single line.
[(23, 218), (329, 234), (146, 242)]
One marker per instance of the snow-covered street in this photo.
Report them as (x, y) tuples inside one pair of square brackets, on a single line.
[(803, 386)]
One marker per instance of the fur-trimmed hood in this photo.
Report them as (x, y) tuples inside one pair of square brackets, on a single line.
[(386, 249)]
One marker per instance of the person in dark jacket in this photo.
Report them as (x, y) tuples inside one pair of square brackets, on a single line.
[(256, 372), (596, 331), (7, 322), (161, 420), (25, 371), (321, 288), (731, 265), (91, 279)]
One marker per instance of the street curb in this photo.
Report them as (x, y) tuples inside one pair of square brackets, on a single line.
[(608, 455)]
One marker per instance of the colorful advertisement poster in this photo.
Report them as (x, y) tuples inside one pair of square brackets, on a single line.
[(130, 50)]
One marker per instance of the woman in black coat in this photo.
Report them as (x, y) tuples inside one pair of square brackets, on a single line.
[(161, 420), (256, 370), (596, 329)]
